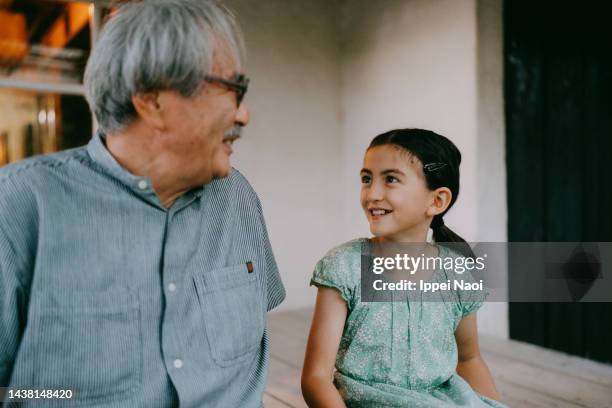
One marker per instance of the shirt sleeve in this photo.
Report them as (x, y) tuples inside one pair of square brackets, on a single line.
[(18, 220), (12, 301), (275, 287)]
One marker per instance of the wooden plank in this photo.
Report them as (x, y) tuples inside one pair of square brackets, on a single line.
[(296, 323), (296, 331), (548, 382), (526, 375), (289, 353), (566, 364), (542, 357), (270, 401), (284, 392), (516, 396), (304, 313), (284, 384), (288, 337)]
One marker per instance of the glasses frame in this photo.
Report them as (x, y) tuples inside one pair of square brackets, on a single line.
[(239, 84)]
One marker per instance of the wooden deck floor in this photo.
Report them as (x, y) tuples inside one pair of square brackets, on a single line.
[(526, 376)]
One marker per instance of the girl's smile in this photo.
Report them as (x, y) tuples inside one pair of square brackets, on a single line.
[(378, 213)]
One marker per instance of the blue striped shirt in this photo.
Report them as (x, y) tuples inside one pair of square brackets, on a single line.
[(107, 293)]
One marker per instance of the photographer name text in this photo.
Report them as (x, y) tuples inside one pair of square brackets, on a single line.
[(425, 286)]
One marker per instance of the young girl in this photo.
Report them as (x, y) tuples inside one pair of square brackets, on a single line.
[(396, 354)]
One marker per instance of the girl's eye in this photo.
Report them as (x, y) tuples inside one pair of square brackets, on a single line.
[(365, 179), (391, 179)]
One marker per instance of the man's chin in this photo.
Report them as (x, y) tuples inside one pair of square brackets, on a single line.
[(222, 173)]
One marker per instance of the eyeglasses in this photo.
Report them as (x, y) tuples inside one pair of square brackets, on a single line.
[(239, 84)]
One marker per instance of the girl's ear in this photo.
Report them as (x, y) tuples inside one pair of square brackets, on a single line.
[(441, 199)]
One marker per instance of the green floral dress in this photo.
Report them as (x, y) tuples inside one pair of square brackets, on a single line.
[(397, 354)]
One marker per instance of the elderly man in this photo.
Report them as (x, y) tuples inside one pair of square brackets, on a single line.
[(137, 271)]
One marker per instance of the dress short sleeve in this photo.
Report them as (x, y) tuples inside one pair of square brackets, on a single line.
[(470, 300), (470, 297), (338, 270)]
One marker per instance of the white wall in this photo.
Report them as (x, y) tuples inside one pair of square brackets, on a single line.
[(491, 169), (409, 64), (291, 149), (328, 76), (436, 65)]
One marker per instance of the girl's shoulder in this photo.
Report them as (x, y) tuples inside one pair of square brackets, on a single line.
[(444, 251), (346, 250), (340, 268), (345, 258)]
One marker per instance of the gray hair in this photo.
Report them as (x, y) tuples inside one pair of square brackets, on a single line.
[(155, 45)]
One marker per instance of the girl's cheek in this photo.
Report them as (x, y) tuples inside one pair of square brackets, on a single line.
[(363, 202), (362, 197)]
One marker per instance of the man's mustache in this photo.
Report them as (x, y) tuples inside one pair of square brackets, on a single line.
[(233, 134)]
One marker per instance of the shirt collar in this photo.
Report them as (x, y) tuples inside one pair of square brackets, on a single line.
[(140, 185)]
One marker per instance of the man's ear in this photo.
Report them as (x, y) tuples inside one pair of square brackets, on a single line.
[(441, 200), (149, 109)]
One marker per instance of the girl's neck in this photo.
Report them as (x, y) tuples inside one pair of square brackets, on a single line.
[(415, 234), (416, 238)]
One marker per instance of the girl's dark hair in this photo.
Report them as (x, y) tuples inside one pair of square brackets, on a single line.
[(441, 160)]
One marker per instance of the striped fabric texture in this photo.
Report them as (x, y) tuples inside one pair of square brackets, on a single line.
[(105, 292)]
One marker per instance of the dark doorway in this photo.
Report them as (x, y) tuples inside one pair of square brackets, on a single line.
[(558, 93)]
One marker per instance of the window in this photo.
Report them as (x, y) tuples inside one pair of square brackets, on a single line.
[(44, 46)]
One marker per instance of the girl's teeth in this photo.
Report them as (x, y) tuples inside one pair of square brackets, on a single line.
[(378, 212)]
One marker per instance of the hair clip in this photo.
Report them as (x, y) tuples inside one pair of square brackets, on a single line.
[(430, 167)]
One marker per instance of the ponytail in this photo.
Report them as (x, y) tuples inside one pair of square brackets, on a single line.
[(446, 237)]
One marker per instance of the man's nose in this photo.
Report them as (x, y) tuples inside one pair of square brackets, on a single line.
[(242, 115)]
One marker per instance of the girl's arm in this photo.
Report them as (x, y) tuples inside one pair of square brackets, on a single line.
[(471, 366), (325, 334)]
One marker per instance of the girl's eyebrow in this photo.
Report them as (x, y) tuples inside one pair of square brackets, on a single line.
[(397, 171), (384, 172)]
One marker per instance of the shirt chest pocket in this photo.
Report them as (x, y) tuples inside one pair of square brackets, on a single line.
[(233, 311), (89, 343)]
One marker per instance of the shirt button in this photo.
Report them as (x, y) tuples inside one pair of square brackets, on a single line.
[(178, 363), (171, 287), (142, 184)]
